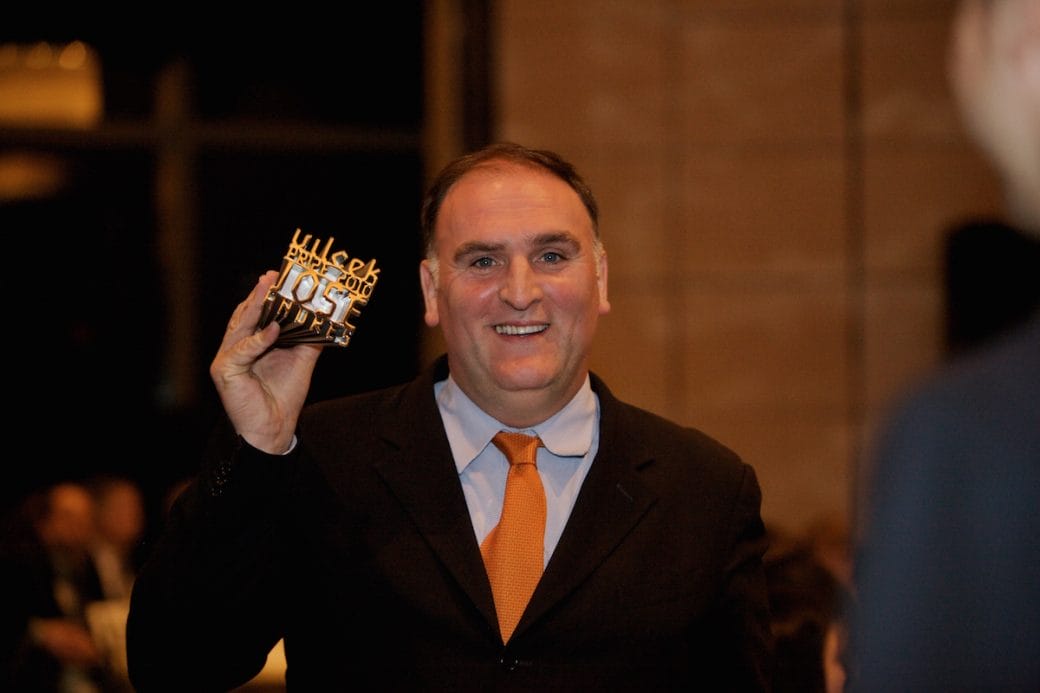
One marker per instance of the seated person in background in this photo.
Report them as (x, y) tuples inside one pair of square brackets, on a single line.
[(49, 580), (120, 515), (828, 537), (115, 551), (807, 602)]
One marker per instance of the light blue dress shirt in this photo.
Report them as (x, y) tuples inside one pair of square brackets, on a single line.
[(571, 438)]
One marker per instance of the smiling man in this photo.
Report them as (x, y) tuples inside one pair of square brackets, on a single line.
[(516, 275), (501, 522)]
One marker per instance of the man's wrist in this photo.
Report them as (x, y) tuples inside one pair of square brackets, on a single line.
[(277, 449)]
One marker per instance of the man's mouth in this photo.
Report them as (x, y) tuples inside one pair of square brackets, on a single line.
[(520, 329)]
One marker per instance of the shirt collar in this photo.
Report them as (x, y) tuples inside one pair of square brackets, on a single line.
[(567, 433)]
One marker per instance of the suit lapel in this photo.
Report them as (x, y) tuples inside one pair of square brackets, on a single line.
[(422, 475), (611, 502)]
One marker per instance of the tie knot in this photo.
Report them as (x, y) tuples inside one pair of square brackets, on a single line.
[(518, 448)]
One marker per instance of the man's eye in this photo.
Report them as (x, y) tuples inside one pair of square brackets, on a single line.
[(483, 262), (552, 257)]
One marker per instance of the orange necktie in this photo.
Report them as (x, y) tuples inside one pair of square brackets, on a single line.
[(513, 551)]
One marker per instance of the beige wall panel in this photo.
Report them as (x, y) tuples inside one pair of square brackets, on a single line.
[(912, 199), (800, 457), (805, 470), (905, 90), (775, 255), (777, 81), (762, 10), (572, 74), (631, 188), (779, 211), (753, 348), (537, 14), (903, 336), (870, 9), (631, 351)]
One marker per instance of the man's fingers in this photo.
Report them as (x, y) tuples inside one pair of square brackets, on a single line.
[(243, 321), (244, 353)]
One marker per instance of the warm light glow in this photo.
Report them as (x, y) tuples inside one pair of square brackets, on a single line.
[(25, 176), (73, 56), (39, 56), (50, 86), (8, 56)]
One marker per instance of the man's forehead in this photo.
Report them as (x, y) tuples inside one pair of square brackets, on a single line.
[(485, 197), (502, 171), (509, 189), (507, 239)]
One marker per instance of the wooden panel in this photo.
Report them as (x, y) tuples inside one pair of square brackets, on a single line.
[(776, 211), (764, 81)]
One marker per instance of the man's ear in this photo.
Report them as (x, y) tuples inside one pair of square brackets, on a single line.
[(428, 272), (1027, 54), (601, 281), (1029, 60)]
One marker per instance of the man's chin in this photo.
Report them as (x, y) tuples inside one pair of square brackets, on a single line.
[(518, 379)]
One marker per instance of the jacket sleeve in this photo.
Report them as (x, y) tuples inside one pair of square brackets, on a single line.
[(744, 642), (204, 613)]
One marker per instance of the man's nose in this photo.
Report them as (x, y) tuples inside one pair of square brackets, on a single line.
[(520, 286)]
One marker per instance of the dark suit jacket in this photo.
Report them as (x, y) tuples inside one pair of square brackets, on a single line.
[(358, 548), (948, 571)]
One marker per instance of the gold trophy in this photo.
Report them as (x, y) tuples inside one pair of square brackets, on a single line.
[(317, 294)]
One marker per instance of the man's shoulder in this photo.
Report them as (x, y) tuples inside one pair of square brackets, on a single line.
[(656, 435), (351, 400)]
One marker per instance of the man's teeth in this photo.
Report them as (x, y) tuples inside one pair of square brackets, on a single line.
[(520, 329)]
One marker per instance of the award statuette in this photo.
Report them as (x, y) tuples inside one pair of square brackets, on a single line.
[(317, 294)]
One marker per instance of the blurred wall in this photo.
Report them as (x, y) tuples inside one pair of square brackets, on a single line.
[(776, 179)]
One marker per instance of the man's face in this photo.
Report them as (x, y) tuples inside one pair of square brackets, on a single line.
[(517, 287)]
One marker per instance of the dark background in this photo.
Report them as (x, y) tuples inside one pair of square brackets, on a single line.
[(317, 129)]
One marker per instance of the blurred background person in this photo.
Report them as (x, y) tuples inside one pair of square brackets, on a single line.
[(49, 579), (121, 524), (948, 566), (828, 537), (116, 551), (807, 601), (992, 282)]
